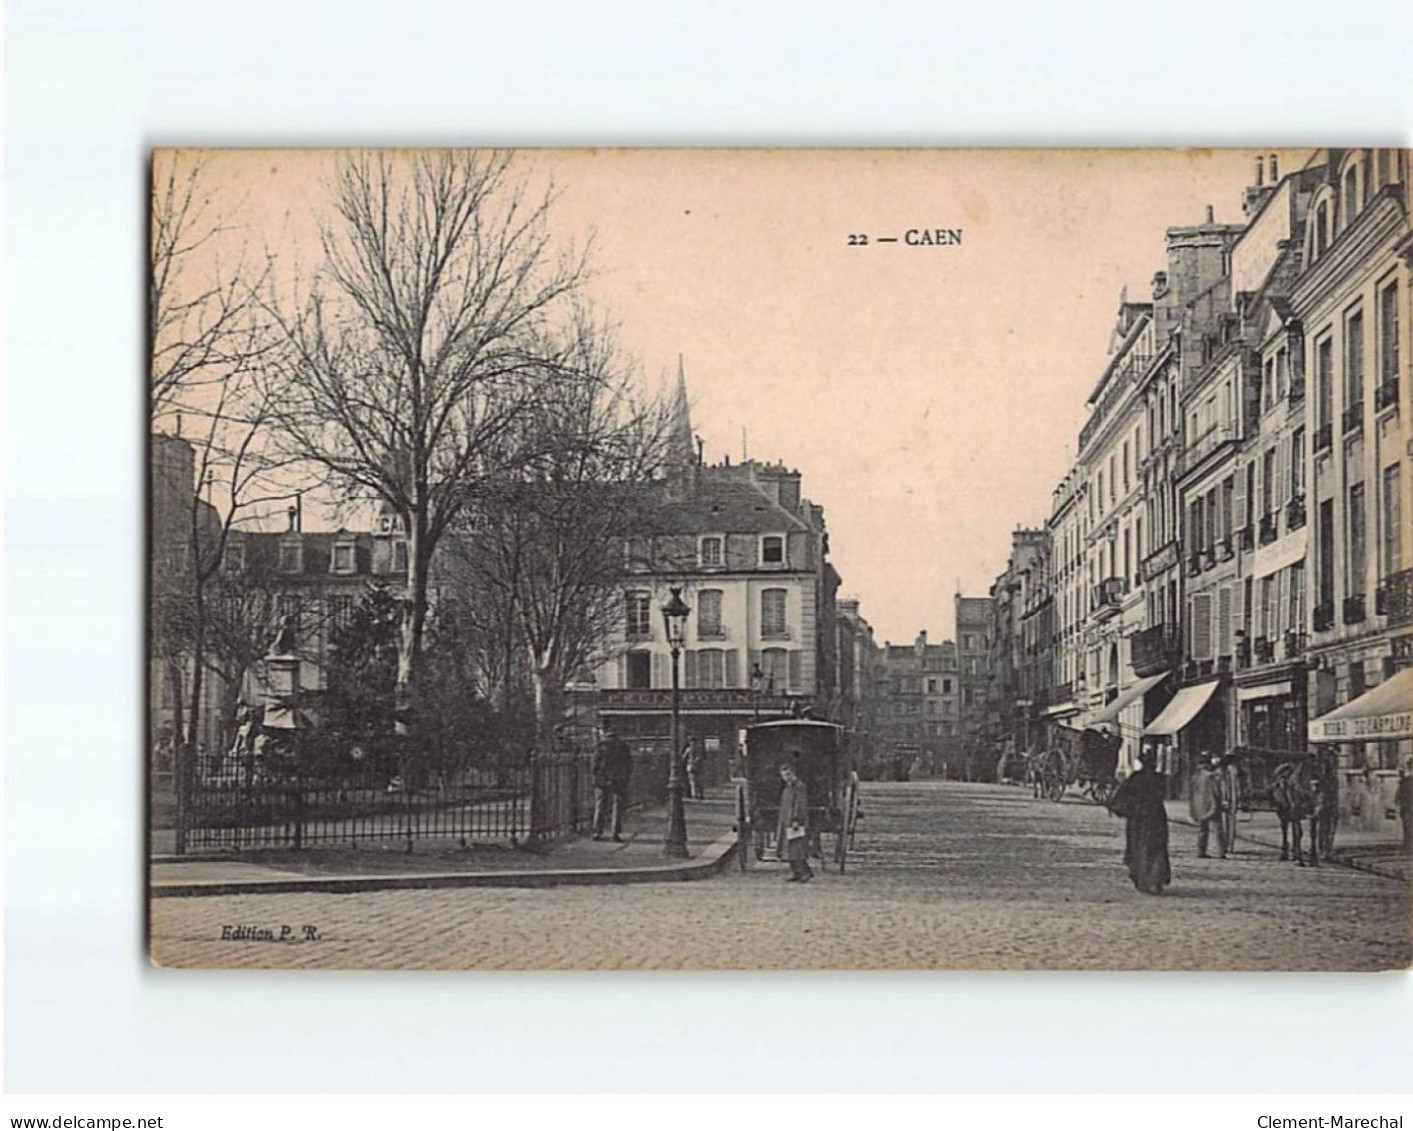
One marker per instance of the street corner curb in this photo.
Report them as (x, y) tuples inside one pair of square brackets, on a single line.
[(1372, 867), (713, 860)]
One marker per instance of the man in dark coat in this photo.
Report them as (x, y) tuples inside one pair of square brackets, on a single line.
[(1139, 801), (792, 829), (1209, 803), (1403, 801), (613, 770)]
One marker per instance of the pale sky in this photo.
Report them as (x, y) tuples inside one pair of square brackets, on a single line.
[(930, 396)]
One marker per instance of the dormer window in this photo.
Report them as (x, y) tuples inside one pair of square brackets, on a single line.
[(772, 550), (292, 556), (343, 559), (711, 551), (233, 556)]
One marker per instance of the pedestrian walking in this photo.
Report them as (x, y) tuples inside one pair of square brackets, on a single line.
[(612, 770), (1208, 803), (792, 829), (1403, 802), (696, 769), (1139, 801)]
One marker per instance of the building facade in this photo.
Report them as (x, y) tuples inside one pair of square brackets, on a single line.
[(750, 554), (1352, 304), (974, 620)]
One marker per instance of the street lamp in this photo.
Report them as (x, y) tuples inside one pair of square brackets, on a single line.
[(674, 619)]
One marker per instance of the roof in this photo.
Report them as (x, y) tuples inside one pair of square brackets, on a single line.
[(262, 552), (725, 506)]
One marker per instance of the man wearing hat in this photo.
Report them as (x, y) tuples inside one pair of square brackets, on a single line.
[(1208, 802)]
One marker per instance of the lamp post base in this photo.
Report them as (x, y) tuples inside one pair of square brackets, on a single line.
[(675, 844)]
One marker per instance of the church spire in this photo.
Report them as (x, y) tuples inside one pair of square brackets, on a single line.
[(681, 450)]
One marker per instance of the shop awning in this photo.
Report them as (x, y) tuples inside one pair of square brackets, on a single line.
[(1110, 711), (1263, 691), (1182, 709), (1385, 711)]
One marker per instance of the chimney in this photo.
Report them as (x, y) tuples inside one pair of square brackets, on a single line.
[(299, 511), (1260, 178), (292, 523), (1211, 217), (1275, 176)]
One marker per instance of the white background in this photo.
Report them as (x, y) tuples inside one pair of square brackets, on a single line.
[(90, 87)]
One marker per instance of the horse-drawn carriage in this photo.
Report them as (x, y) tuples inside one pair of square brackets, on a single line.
[(1088, 759), (818, 751), (1297, 785)]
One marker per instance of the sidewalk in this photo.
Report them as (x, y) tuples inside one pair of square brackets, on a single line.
[(431, 864), (1354, 848)]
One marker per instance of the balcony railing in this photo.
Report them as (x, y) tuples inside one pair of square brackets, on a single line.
[(1194, 564), (1352, 418), (1156, 649), (1265, 649), (1323, 439), (1294, 644), (1323, 618), (1268, 529), (1225, 552), (1107, 595), (1354, 609), (1295, 513), (1246, 537), (1386, 394), (1297, 390), (1398, 597), (1243, 653)]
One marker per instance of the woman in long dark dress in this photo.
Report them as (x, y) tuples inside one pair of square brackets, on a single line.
[(1139, 801)]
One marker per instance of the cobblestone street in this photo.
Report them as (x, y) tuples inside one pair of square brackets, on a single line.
[(944, 876)]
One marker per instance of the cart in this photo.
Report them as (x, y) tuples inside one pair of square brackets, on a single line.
[(818, 751), (1085, 758), (1250, 773)]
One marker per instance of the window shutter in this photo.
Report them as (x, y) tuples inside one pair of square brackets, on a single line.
[(1202, 626), (1224, 621), (1258, 487), (1238, 610), (661, 676), (1239, 499), (622, 671), (733, 677), (796, 670), (689, 669)]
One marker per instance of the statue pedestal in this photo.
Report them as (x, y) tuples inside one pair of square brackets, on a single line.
[(282, 691)]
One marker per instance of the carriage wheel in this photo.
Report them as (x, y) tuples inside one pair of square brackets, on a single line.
[(1054, 787), (1103, 791)]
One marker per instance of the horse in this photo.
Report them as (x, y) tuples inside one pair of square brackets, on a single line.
[(1301, 791)]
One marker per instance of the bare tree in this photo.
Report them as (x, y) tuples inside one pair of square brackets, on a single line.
[(201, 305), (549, 550), (412, 355), (236, 481)]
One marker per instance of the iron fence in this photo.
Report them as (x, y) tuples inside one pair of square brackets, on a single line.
[(242, 804)]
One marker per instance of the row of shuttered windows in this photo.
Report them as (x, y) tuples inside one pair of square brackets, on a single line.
[(1262, 608), (782, 669)]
